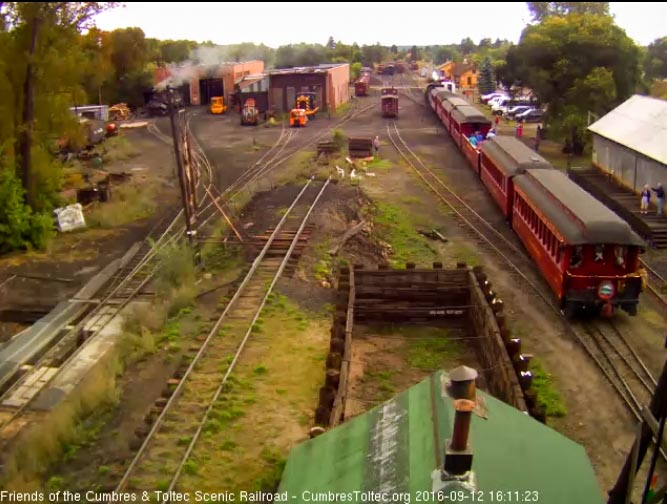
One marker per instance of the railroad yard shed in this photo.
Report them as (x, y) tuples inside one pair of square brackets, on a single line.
[(329, 82), (198, 83), (629, 144), (398, 447)]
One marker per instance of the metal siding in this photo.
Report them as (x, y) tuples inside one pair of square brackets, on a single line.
[(291, 98)]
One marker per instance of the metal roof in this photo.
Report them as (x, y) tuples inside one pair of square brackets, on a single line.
[(512, 156), (396, 447), (323, 68), (469, 114), (639, 123), (586, 220)]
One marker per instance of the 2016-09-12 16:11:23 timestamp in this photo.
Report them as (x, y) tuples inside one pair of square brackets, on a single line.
[(518, 496)]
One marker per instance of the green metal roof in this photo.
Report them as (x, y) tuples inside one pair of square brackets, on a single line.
[(396, 446)]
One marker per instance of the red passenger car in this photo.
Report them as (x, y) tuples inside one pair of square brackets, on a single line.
[(466, 120), (449, 101), (501, 159), (587, 254)]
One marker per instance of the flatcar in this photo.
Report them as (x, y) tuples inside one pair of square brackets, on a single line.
[(389, 102), (586, 253)]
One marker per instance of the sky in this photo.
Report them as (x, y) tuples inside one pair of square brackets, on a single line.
[(419, 23)]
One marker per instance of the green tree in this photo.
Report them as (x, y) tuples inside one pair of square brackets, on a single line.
[(486, 82), (541, 10), (355, 70), (564, 55), (467, 46), (655, 64), (415, 53)]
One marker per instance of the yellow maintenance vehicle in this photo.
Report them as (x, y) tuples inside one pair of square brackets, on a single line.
[(217, 105)]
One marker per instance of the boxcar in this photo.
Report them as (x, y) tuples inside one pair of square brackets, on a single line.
[(587, 254), (502, 158), (466, 120), (389, 101)]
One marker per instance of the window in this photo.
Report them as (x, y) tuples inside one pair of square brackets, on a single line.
[(599, 253), (620, 255), (577, 256), (469, 81)]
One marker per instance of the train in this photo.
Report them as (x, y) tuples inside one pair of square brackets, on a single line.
[(389, 102), (587, 255), (363, 83)]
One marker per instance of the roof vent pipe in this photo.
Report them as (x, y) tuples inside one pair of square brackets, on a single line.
[(462, 383), (458, 454)]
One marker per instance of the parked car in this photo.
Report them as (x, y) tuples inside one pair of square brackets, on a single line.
[(533, 115), (510, 112), (488, 97)]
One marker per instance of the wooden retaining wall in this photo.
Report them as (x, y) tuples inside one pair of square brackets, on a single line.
[(425, 296)]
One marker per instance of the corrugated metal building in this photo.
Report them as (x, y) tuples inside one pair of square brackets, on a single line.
[(398, 448), (253, 86), (629, 142), (330, 83)]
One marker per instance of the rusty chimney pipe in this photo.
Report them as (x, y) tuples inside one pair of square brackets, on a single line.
[(462, 383), (462, 416)]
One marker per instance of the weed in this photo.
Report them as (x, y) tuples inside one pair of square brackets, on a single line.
[(395, 226), (260, 370), (129, 203), (103, 469), (428, 354), (228, 445), (190, 467), (55, 483), (545, 388), (184, 441)]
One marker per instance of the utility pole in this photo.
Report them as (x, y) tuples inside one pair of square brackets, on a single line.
[(187, 210)]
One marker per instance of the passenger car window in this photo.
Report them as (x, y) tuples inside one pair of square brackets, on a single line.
[(577, 257)]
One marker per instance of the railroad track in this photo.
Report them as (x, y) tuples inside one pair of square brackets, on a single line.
[(122, 288), (657, 285), (479, 229), (163, 454), (604, 343)]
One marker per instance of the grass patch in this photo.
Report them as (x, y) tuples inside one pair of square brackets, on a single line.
[(118, 148), (462, 253), (261, 370), (300, 166), (395, 227), (379, 164), (342, 109), (429, 354), (545, 387), (129, 203)]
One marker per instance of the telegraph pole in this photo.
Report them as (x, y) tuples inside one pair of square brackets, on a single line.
[(181, 173)]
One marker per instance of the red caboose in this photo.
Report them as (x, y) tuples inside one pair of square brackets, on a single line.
[(389, 102), (362, 85), (501, 159), (587, 254)]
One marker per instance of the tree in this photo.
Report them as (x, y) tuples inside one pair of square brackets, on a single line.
[(486, 82), (394, 49), (467, 46), (576, 63), (541, 10), (331, 44), (414, 53), (36, 29), (655, 64)]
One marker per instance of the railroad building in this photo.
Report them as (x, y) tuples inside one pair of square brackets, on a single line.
[(198, 83), (422, 441), (629, 143), (330, 84)]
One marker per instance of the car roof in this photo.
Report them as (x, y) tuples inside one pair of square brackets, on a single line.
[(577, 215)]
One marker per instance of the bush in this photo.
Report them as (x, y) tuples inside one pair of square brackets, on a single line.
[(339, 139), (20, 228)]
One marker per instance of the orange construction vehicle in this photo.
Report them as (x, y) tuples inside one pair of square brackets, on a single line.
[(217, 105), (308, 102), (297, 117)]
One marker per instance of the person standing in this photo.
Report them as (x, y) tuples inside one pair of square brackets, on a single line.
[(660, 195), (646, 199), (376, 145), (538, 137)]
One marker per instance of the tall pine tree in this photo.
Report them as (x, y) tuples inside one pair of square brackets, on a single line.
[(486, 83)]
